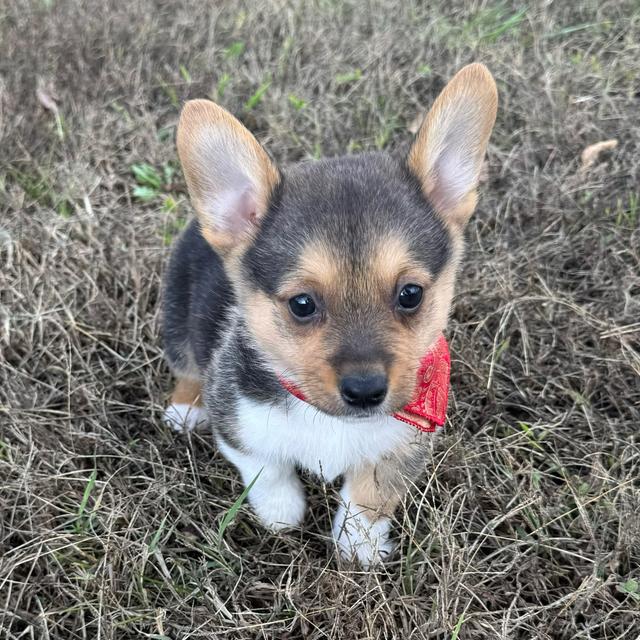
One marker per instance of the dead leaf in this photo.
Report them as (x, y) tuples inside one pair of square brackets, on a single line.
[(591, 153)]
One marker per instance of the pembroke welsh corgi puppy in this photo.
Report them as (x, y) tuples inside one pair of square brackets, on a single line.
[(304, 307)]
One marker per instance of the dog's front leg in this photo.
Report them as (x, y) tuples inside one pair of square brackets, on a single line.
[(277, 495), (362, 522), (368, 498)]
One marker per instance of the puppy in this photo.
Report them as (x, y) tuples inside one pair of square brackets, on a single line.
[(305, 306)]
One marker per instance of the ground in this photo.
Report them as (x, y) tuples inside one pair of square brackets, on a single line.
[(527, 521)]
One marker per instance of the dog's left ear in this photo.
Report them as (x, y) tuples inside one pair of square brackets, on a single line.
[(450, 146)]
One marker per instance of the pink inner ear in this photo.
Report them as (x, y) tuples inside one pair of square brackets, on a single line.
[(456, 175), (236, 211)]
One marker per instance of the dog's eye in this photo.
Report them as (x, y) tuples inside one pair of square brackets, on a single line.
[(302, 306), (410, 297)]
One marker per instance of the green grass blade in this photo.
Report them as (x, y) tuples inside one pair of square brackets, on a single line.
[(235, 507), (144, 193), (510, 23), (346, 78), (222, 84), (153, 545), (87, 492), (184, 72), (235, 50), (456, 631), (146, 175), (256, 98)]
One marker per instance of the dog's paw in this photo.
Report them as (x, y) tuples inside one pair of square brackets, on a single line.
[(279, 505), (184, 417), (357, 538)]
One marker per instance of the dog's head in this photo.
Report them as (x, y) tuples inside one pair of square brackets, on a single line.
[(343, 268)]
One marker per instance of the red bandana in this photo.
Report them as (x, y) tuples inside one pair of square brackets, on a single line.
[(428, 409)]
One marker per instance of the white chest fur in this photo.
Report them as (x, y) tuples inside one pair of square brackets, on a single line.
[(325, 445)]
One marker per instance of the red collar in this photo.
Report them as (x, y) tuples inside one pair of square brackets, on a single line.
[(428, 409)]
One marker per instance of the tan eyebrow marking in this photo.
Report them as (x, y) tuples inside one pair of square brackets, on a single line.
[(391, 260), (317, 266)]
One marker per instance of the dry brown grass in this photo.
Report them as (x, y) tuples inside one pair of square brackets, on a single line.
[(527, 524)]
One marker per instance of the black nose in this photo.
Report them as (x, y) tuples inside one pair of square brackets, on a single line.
[(364, 391)]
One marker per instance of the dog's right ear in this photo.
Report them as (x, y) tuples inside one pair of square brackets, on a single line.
[(229, 175)]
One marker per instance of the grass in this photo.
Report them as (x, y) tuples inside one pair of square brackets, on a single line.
[(527, 521), (80, 523), (235, 507), (256, 98)]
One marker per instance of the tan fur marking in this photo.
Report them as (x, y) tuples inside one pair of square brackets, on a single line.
[(402, 373), (438, 304), (259, 315), (219, 240), (209, 140), (317, 266), (187, 391), (379, 488), (391, 260), (322, 380), (461, 213), (367, 493), (284, 341)]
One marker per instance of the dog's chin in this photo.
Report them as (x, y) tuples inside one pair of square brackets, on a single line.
[(365, 414), (355, 415)]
